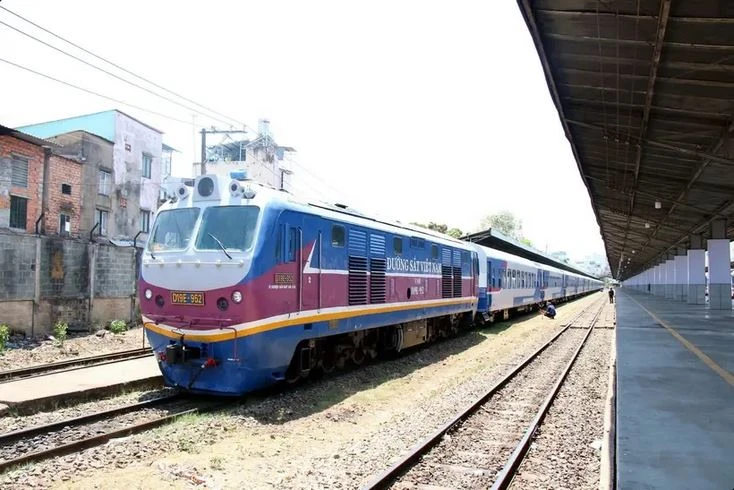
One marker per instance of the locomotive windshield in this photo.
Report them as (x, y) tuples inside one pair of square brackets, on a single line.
[(228, 227), (173, 229)]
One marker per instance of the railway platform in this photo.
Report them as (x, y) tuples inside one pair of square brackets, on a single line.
[(42, 392), (675, 393)]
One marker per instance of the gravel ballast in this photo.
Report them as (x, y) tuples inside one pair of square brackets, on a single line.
[(567, 450), (23, 352), (334, 433)]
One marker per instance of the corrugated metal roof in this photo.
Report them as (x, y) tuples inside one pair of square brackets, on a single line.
[(645, 93)]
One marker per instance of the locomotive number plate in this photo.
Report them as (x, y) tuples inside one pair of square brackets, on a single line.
[(187, 298)]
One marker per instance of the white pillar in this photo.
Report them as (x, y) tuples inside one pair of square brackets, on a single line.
[(719, 267), (650, 280), (696, 272), (669, 278), (659, 287), (681, 276)]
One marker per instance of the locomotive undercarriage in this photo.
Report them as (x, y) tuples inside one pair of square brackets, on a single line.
[(324, 355)]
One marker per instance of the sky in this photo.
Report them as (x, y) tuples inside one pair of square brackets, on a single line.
[(413, 110)]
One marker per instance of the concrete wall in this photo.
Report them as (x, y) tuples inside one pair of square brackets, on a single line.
[(133, 191), (49, 279)]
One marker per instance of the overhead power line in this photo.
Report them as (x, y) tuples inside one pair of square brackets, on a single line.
[(188, 107), (118, 101)]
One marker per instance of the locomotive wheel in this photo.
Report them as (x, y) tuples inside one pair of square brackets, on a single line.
[(328, 363), (358, 356)]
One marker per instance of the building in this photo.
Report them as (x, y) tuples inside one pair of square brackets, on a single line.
[(40, 190), (261, 159), (124, 162)]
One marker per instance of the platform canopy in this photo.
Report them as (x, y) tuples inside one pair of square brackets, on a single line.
[(645, 93), (499, 241)]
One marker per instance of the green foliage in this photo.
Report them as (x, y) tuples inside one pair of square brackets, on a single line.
[(441, 228), (118, 326), (526, 241), (4, 336), (60, 329), (505, 222)]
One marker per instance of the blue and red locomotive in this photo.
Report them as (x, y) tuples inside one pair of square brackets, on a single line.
[(243, 286)]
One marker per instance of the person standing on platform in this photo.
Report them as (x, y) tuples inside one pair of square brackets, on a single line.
[(611, 295)]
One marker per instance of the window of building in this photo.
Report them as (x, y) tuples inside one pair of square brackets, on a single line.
[(66, 189), (64, 224), (397, 245), (145, 221), (102, 216), (19, 173), (105, 178), (337, 236), (147, 165), (18, 212)]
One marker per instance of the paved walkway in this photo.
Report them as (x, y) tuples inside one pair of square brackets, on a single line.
[(42, 389), (675, 394)]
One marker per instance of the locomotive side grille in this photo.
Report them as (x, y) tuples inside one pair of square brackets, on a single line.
[(377, 280), (446, 281), (377, 245), (457, 282), (357, 280)]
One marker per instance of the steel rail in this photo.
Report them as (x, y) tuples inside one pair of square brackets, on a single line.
[(73, 364), (420, 449), (83, 419), (505, 477), (96, 440)]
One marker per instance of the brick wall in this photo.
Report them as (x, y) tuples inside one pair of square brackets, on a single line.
[(10, 146), (64, 171)]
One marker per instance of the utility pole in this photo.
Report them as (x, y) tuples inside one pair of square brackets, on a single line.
[(204, 132)]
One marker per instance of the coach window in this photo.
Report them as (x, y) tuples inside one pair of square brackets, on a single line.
[(434, 251), (337, 236), (397, 245)]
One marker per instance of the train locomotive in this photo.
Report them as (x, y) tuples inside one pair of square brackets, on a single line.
[(243, 286)]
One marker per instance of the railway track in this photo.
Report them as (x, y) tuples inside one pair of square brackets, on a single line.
[(73, 364), (76, 434), (484, 444)]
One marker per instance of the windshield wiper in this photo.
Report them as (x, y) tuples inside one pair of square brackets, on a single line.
[(220, 245)]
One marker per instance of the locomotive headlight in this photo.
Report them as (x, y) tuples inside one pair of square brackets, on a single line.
[(148, 294), (237, 297), (249, 192)]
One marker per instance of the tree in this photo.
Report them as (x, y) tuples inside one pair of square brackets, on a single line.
[(441, 228), (505, 222), (526, 241)]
